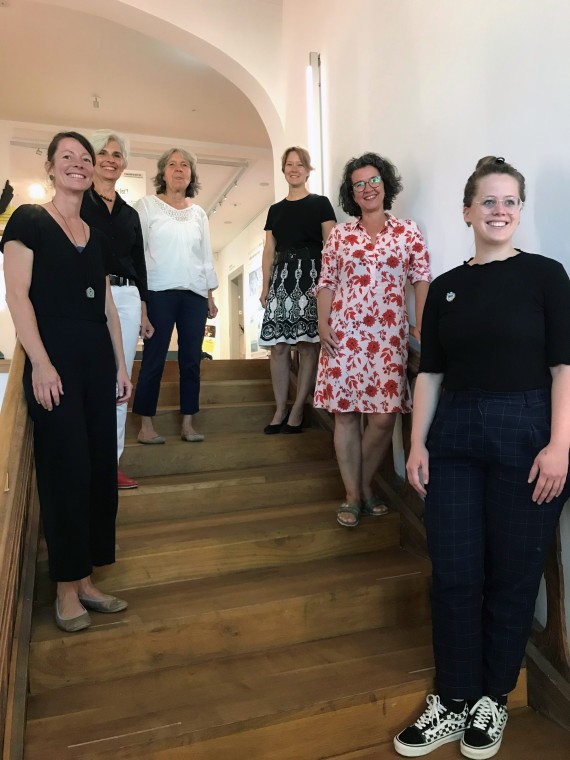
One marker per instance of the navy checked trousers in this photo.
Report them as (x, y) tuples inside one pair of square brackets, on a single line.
[(487, 539)]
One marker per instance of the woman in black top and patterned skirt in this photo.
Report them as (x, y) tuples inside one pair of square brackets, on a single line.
[(296, 229)]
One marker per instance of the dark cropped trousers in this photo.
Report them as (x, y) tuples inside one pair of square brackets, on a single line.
[(487, 539), (188, 311), (75, 448)]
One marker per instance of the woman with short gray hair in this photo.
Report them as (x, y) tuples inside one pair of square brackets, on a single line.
[(103, 208)]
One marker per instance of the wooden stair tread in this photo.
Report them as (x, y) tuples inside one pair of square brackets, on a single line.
[(193, 598), (221, 405), (217, 544), (282, 522), (178, 623), (278, 473), (233, 439), (216, 697), (528, 736)]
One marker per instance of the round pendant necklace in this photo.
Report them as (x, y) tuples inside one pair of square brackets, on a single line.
[(89, 292)]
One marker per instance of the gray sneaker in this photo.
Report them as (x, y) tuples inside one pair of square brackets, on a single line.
[(436, 726)]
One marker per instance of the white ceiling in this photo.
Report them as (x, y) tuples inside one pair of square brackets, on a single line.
[(54, 61)]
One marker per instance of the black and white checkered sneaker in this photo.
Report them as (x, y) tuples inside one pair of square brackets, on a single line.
[(436, 726), (484, 731)]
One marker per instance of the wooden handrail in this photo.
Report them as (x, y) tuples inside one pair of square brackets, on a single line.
[(17, 492)]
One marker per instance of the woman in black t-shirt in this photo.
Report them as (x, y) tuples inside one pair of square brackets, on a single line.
[(60, 301), (296, 229), (491, 457)]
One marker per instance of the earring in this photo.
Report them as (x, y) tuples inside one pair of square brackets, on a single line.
[(51, 177)]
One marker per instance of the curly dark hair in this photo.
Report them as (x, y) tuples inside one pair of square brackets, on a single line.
[(491, 165), (159, 181), (386, 169)]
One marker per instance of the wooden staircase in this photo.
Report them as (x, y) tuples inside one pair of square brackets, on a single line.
[(257, 627)]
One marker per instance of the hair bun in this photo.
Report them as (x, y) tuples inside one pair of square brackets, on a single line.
[(489, 160)]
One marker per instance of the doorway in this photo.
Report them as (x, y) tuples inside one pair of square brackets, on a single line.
[(237, 321)]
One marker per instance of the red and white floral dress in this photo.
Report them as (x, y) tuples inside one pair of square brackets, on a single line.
[(369, 316)]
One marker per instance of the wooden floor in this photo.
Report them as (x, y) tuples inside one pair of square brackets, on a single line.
[(257, 627)]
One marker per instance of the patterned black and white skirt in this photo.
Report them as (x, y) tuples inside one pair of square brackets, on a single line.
[(291, 309)]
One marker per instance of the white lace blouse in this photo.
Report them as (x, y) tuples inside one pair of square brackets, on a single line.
[(177, 247)]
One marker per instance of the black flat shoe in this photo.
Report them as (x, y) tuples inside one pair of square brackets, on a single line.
[(274, 429), (293, 429)]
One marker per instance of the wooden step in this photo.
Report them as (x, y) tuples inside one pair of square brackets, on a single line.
[(217, 392), (175, 497), (172, 625), (528, 736), (210, 545), (218, 369), (297, 703), (251, 416), (225, 451)]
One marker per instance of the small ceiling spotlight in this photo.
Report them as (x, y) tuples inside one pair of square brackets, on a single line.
[(95, 101)]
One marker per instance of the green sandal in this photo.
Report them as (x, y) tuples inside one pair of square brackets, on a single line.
[(351, 509), (373, 507)]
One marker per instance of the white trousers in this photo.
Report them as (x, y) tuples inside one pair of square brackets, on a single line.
[(128, 302)]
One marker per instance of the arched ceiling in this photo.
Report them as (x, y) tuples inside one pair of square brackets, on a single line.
[(55, 60)]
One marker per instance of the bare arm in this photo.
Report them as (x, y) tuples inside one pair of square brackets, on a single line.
[(327, 228), (124, 385), (551, 464), (329, 341), (267, 264), (18, 264), (426, 396), (420, 294), (212, 308), (147, 330)]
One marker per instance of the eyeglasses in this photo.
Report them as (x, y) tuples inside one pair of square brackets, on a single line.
[(358, 187), (491, 204)]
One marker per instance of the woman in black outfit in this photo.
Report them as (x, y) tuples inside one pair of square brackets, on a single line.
[(295, 231), (491, 458), (60, 301), (103, 208)]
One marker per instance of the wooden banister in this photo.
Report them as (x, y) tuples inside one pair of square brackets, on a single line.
[(17, 494)]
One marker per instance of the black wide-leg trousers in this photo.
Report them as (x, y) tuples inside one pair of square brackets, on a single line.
[(487, 539), (75, 448)]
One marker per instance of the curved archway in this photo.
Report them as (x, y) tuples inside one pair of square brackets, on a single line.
[(131, 13)]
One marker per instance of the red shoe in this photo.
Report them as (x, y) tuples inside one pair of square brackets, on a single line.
[(124, 482)]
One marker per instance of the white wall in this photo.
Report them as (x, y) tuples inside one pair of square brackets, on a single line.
[(435, 86)]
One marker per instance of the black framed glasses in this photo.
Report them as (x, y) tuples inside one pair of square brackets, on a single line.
[(358, 187)]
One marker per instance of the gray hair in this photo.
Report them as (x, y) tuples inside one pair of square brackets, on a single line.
[(101, 137), (160, 182)]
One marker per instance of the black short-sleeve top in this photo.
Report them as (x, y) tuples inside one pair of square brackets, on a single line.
[(61, 274), (297, 224), (498, 326)]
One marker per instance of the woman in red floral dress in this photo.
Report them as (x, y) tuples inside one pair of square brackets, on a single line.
[(363, 325)]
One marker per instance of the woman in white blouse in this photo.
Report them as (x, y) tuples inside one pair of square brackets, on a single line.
[(181, 279)]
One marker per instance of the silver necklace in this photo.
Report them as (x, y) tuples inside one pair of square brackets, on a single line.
[(89, 292)]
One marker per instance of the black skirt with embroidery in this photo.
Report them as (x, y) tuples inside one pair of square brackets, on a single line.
[(291, 309)]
